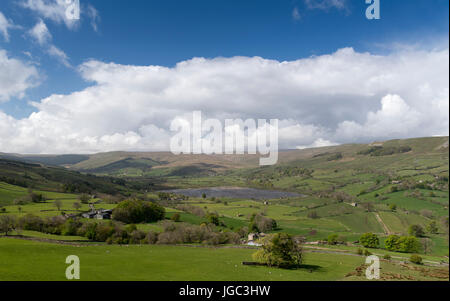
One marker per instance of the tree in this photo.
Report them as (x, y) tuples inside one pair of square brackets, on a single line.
[(138, 211), (368, 206), (313, 215), (332, 239), (260, 223), (76, 206), (204, 195), (176, 217), (392, 243), (427, 245), (415, 259), (416, 230), (7, 223), (213, 218), (280, 250), (392, 207), (432, 227), (84, 198), (58, 204), (406, 244), (37, 198), (369, 240)]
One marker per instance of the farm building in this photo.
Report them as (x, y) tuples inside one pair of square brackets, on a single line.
[(98, 214)]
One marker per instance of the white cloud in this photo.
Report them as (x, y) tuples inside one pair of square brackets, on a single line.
[(296, 14), (43, 36), (326, 4), (59, 54), (342, 97), (40, 33), (55, 10), (94, 16), (15, 78), (5, 25)]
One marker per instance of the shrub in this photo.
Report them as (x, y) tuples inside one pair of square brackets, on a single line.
[(387, 257), (280, 250), (367, 252), (369, 240), (415, 259), (359, 251), (137, 211)]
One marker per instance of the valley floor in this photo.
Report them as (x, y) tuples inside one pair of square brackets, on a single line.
[(45, 261)]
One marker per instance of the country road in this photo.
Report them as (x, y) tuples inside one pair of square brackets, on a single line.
[(386, 229)]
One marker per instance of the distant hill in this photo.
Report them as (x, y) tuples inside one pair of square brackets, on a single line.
[(50, 178), (138, 164)]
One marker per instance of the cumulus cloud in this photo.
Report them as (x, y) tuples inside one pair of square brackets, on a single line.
[(15, 78), (345, 96), (54, 10), (43, 37)]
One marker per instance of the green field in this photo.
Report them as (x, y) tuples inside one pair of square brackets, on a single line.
[(348, 197)]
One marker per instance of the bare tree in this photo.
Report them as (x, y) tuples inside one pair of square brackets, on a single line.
[(7, 224), (58, 204), (76, 205)]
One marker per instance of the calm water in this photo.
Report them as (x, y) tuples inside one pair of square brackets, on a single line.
[(235, 192)]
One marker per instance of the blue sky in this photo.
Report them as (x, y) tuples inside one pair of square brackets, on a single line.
[(166, 32), (163, 33)]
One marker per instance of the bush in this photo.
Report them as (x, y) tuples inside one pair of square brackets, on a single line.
[(280, 250), (387, 257), (359, 251), (137, 211), (367, 252), (415, 259), (369, 240)]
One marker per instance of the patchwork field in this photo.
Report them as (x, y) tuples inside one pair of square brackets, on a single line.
[(342, 192)]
